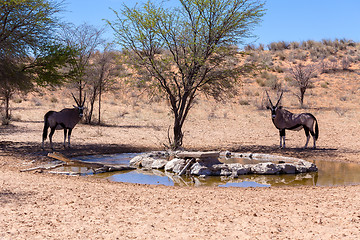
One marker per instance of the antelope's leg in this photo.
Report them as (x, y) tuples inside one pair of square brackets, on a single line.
[(42, 144), (283, 141), (313, 135), (282, 138), (50, 136), (65, 134), (307, 136), (69, 135)]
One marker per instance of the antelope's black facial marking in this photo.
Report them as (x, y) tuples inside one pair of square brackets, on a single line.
[(273, 112), (81, 111)]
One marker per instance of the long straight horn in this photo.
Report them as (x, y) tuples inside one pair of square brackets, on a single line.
[(82, 104), (269, 98), (75, 99), (279, 99)]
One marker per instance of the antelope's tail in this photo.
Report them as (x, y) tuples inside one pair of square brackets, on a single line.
[(46, 124), (316, 129)]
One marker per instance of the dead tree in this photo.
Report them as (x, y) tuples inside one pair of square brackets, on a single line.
[(301, 76)]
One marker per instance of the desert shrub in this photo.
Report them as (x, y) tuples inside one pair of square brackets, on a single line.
[(324, 85), (17, 100), (327, 42), (212, 115), (343, 98), (278, 46), (281, 56), (261, 82), (340, 111), (307, 45), (122, 114), (249, 47), (297, 54), (53, 99), (321, 52), (244, 102), (261, 47), (262, 59), (294, 45), (346, 62), (36, 102), (267, 79), (278, 69), (351, 52), (333, 63), (4, 120)]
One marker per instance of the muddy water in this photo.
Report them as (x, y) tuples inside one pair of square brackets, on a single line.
[(331, 173)]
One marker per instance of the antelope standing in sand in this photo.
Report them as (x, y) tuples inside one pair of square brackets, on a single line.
[(65, 119), (284, 119)]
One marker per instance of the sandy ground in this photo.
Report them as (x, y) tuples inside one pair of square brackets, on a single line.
[(45, 206)]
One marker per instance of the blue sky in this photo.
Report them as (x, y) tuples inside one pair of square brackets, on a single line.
[(285, 20)]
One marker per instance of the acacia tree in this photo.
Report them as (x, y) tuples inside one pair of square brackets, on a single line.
[(28, 47), (301, 76), (181, 51)]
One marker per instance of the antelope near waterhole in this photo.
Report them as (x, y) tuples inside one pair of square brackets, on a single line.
[(65, 119), (284, 119)]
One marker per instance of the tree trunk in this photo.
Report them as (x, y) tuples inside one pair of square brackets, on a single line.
[(178, 134), (89, 115), (7, 97), (302, 94), (7, 107), (100, 90)]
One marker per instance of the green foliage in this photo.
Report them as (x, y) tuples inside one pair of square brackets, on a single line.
[(47, 67), (28, 48), (26, 25), (178, 52)]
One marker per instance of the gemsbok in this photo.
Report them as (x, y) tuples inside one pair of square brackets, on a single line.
[(65, 119), (284, 119)]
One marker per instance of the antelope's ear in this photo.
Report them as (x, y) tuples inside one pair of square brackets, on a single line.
[(74, 106), (279, 107), (267, 107)]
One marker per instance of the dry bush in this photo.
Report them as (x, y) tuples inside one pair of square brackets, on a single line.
[(346, 62), (281, 55), (294, 45), (269, 80), (250, 47), (297, 54), (277, 68), (301, 76), (262, 59), (307, 45), (278, 46)]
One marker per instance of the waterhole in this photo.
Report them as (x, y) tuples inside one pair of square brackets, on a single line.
[(330, 173)]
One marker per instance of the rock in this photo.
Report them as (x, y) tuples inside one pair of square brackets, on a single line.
[(175, 163), (219, 170), (159, 164), (198, 169), (147, 162), (159, 154), (265, 168), (135, 161), (209, 166), (239, 169), (305, 166), (287, 168)]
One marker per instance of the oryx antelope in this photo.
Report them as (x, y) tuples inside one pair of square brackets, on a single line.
[(284, 119), (65, 119)]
